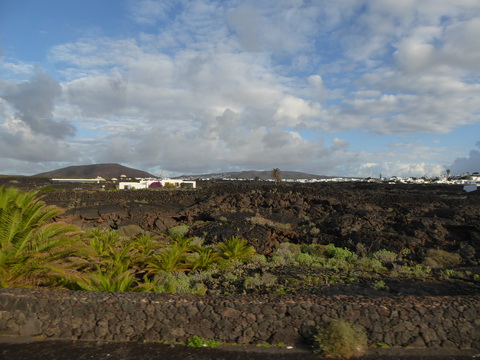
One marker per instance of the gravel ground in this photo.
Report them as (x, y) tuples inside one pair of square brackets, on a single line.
[(32, 349)]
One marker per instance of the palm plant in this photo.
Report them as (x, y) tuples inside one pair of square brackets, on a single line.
[(204, 258), (113, 280), (236, 249), (33, 249), (276, 175), (184, 242), (172, 258), (143, 249)]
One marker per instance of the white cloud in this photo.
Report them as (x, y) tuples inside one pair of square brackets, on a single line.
[(150, 11), (468, 164), (33, 102), (208, 85), (19, 142)]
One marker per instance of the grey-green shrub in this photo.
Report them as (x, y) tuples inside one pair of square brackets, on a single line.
[(340, 339), (180, 230), (385, 256), (441, 259)]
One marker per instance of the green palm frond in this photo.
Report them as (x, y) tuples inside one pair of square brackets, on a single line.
[(204, 258), (236, 249), (115, 280), (183, 242), (29, 241), (171, 258)]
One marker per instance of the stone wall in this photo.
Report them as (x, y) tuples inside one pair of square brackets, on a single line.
[(451, 322)]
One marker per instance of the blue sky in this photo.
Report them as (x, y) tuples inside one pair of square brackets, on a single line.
[(345, 87)]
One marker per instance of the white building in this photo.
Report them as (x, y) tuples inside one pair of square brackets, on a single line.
[(150, 182), (97, 180)]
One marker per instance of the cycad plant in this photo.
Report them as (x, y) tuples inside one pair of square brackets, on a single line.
[(108, 262), (113, 280), (172, 258), (204, 258), (143, 249), (236, 249), (105, 248), (33, 250)]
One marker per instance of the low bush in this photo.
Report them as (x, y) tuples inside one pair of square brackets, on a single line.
[(130, 231), (340, 340), (441, 259), (197, 341), (384, 256), (180, 230), (340, 253)]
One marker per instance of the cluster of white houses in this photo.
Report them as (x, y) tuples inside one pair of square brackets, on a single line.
[(149, 183), (141, 183), (460, 180)]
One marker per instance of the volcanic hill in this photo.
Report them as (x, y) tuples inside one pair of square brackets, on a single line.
[(107, 171)]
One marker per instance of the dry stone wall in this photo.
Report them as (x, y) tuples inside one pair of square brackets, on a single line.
[(450, 322)]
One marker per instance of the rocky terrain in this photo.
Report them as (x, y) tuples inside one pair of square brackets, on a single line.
[(363, 217), (392, 217), (411, 220)]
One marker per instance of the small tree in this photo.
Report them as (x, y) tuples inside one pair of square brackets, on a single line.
[(276, 175)]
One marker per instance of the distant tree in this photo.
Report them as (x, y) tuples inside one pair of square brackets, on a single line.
[(448, 172), (276, 175)]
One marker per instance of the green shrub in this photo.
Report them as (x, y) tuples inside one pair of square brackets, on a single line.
[(285, 253), (421, 271), (197, 341), (442, 259), (340, 340), (259, 281), (130, 231), (385, 256), (180, 230), (308, 260), (339, 253), (258, 261), (178, 283), (380, 285), (368, 264), (264, 345), (314, 249)]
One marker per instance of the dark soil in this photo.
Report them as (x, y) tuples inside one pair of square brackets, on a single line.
[(26, 349)]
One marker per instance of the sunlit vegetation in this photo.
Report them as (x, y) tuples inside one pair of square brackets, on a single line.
[(340, 340), (36, 251)]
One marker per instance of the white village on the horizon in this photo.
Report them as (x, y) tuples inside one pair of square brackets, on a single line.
[(470, 181)]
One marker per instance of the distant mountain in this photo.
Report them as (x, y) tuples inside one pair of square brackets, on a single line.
[(106, 171), (252, 174)]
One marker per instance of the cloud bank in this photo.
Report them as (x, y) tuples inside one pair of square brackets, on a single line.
[(205, 86), (468, 164)]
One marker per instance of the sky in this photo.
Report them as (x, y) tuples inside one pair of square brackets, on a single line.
[(339, 88)]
